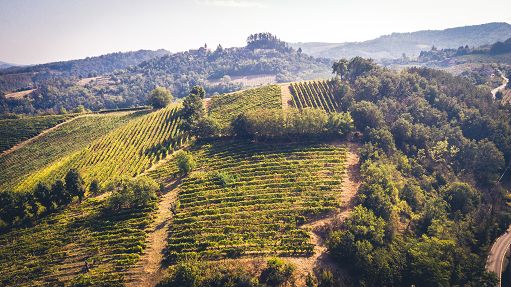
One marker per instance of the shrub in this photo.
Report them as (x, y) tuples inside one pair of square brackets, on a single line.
[(185, 162), (159, 98), (277, 272)]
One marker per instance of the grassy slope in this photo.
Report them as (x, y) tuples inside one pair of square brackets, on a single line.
[(278, 186), (59, 143), (14, 131), (226, 107)]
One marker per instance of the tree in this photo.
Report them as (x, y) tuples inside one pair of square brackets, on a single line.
[(95, 187), (74, 184), (341, 68), (461, 197), (199, 91), (185, 162), (159, 98), (206, 127), (132, 193), (184, 274), (366, 115), (431, 262), (60, 194), (193, 108), (43, 195)]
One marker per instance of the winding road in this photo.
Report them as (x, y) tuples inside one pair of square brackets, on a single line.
[(501, 87), (495, 261)]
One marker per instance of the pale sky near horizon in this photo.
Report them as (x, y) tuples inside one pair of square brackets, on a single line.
[(40, 31)]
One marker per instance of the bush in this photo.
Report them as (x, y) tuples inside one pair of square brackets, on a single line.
[(185, 162), (225, 179), (159, 98), (277, 272)]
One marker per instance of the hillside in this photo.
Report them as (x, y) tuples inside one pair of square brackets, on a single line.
[(379, 178), (393, 46), (20, 78), (264, 60), (4, 65)]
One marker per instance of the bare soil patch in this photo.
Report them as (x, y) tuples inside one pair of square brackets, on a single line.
[(19, 95), (286, 96)]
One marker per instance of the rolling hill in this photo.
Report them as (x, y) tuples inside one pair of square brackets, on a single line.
[(393, 46), (378, 178)]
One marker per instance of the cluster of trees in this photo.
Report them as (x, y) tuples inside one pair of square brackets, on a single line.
[(18, 207), (136, 192), (267, 124), (435, 147), (193, 273), (267, 41), (443, 54), (177, 72)]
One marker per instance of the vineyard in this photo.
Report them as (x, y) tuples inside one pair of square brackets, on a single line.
[(59, 143), (54, 251), (126, 151), (14, 131), (225, 108), (251, 199), (314, 94)]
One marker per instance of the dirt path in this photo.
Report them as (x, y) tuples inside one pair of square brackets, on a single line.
[(285, 95), (46, 131), (319, 259), (148, 271)]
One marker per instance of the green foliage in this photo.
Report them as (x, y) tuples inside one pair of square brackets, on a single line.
[(366, 115), (185, 162), (133, 193), (267, 124), (95, 187), (461, 197), (159, 98), (431, 261), (74, 184), (225, 179), (277, 272)]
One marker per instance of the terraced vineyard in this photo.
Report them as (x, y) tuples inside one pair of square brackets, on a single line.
[(225, 108), (54, 251), (251, 199), (14, 131), (314, 94), (59, 143), (126, 151)]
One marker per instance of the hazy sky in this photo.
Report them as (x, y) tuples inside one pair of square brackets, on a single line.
[(41, 31)]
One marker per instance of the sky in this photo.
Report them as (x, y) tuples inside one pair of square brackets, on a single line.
[(40, 31)]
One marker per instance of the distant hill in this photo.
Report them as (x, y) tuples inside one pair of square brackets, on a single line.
[(4, 65), (394, 45), (22, 77), (265, 59)]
